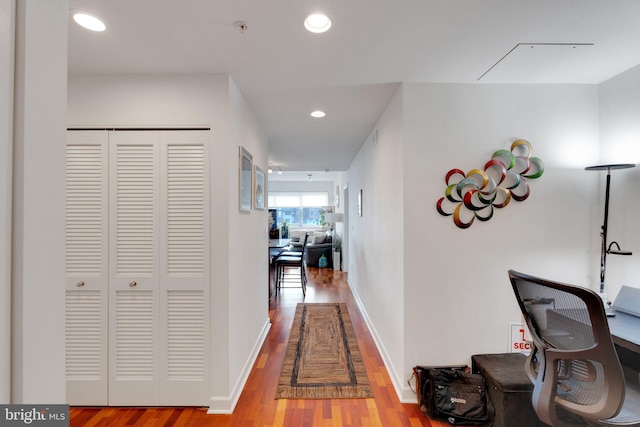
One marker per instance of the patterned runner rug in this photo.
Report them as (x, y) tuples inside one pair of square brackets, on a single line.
[(322, 360)]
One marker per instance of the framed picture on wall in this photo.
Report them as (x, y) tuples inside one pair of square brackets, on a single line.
[(260, 189), (245, 185)]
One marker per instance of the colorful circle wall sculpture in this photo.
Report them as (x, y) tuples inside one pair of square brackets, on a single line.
[(478, 192)]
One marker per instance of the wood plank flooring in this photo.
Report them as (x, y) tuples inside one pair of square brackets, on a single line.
[(258, 407)]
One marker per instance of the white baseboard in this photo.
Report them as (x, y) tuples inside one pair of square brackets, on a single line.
[(398, 384), (408, 395), (226, 404)]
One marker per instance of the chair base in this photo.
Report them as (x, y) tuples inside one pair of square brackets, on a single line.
[(283, 277)]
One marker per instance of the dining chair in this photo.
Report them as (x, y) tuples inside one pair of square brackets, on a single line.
[(290, 260)]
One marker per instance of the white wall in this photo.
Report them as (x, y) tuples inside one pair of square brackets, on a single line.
[(620, 143), (239, 294), (326, 186), (456, 297), (149, 100), (376, 243), (248, 249), (38, 202), (7, 40)]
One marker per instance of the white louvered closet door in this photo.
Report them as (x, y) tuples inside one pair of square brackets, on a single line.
[(159, 268), (87, 276), (185, 272), (134, 257), (138, 268)]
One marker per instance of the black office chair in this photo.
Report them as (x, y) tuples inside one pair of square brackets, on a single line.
[(577, 377), (288, 260)]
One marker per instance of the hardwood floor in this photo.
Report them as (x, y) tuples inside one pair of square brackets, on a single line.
[(258, 407)]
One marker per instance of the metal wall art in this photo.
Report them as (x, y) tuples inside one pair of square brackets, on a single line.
[(478, 192)]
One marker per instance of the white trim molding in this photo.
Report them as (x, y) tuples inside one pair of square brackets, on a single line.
[(226, 404), (402, 390)]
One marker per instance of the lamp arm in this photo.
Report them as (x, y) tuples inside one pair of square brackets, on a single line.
[(611, 244)]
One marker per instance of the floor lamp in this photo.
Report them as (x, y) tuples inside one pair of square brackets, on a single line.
[(605, 250)]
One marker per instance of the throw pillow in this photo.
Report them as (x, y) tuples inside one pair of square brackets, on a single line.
[(319, 239)]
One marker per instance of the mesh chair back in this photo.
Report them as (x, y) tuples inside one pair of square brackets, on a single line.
[(574, 364)]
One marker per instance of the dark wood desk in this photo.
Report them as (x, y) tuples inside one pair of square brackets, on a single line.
[(624, 328), (625, 332)]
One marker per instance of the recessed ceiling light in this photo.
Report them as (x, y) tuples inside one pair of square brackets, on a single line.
[(317, 23), (88, 21), (318, 114)]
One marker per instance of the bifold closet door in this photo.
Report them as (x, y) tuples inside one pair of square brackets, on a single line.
[(87, 275), (185, 268), (134, 258), (138, 268), (159, 261)]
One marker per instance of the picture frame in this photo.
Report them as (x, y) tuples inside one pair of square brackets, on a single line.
[(360, 203), (259, 188), (245, 185)]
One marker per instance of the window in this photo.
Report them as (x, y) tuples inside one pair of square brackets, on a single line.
[(301, 209)]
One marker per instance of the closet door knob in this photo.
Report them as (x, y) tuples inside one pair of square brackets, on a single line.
[(132, 284), (80, 284)]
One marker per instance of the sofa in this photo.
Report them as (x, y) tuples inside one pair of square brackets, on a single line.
[(319, 243)]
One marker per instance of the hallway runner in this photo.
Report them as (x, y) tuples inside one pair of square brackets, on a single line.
[(322, 360)]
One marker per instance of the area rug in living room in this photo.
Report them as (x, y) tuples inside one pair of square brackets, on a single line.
[(322, 360)]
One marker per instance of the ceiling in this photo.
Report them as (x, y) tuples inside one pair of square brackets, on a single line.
[(352, 71)]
